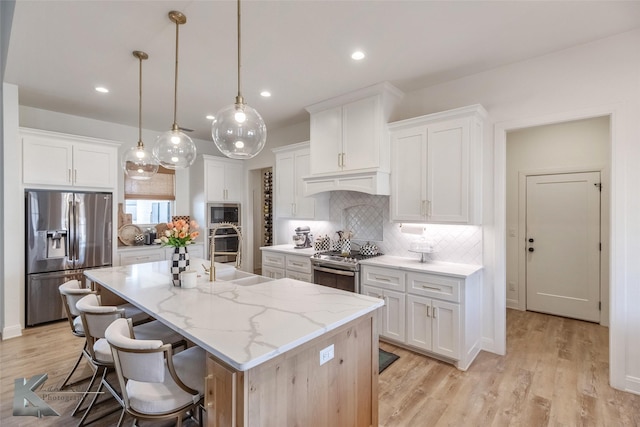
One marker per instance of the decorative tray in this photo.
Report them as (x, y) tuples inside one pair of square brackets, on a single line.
[(127, 234)]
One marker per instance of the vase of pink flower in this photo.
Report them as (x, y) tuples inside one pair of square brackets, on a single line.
[(179, 235)]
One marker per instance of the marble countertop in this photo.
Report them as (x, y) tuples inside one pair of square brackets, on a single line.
[(243, 325), (289, 249), (413, 264)]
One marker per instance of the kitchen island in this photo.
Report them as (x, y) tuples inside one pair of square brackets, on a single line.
[(280, 352)]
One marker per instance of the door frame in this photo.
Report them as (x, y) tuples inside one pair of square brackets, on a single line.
[(495, 246), (604, 232)]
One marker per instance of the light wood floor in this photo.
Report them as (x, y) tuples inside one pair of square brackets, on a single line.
[(555, 373)]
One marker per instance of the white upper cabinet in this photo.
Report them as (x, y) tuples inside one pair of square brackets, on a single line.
[(224, 179), (54, 159), (436, 167), (292, 163), (347, 138), (349, 148)]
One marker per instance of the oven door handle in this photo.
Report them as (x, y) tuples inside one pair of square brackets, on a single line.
[(332, 271)]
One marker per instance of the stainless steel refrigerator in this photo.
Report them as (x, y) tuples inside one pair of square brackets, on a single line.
[(66, 233)]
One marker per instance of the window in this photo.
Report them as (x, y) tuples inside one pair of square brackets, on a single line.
[(149, 211), (151, 201)]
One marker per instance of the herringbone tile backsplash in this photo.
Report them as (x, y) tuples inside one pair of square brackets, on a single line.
[(368, 217)]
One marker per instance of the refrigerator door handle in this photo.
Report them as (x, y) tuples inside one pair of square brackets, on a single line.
[(76, 227), (72, 232)]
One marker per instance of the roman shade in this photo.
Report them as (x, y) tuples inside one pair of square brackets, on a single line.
[(161, 186)]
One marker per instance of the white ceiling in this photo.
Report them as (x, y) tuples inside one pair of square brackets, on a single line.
[(299, 50)]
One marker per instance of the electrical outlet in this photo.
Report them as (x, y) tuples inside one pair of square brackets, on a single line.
[(326, 354), (512, 286)]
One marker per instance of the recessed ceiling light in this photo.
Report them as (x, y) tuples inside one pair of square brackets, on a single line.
[(210, 117), (102, 89), (265, 93), (357, 55)]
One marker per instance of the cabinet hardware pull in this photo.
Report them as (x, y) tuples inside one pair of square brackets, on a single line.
[(428, 312), (69, 175), (429, 208), (342, 162), (207, 402), (431, 287), (142, 257), (382, 279), (422, 209), (299, 264), (339, 159), (293, 208), (434, 312)]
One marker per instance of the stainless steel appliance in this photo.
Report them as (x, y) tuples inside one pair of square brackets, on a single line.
[(302, 238), (332, 269), (223, 212), (66, 233), (227, 240)]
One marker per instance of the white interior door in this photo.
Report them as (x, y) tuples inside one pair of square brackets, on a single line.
[(563, 245)]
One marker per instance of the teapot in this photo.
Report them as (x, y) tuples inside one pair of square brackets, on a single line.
[(369, 249)]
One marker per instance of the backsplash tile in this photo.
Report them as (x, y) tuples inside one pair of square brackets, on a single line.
[(453, 243)]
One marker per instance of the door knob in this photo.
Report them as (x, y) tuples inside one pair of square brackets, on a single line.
[(530, 240), (531, 249)]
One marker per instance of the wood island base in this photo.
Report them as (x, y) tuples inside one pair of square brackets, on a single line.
[(294, 389)]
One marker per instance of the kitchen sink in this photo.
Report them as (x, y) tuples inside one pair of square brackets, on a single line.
[(228, 275), (254, 280)]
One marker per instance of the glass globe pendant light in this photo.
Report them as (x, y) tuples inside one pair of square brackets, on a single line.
[(238, 130), (174, 149), (137, 162)]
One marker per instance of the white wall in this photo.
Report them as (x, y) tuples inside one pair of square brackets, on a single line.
[(578, 145), (590, 80)]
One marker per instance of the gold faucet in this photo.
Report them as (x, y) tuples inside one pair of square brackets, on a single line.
[(212, 248)]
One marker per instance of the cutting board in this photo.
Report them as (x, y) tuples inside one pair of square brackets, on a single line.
[(123, 218)]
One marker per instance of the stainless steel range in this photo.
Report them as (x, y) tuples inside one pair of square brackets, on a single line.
[(336, 271)]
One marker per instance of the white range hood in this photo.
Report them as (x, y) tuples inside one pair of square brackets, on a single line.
[(349, 148)]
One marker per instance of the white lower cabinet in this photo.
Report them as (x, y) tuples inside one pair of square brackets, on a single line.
[(391, 321), (436, 314), (139, 256), (272, 272), (433, 325), (277, 265), (144, 254)]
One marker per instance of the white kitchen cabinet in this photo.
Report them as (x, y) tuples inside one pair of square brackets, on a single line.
[(142, 255), (277, 265), (387, 284), (292, 163), (436, 167), (272, 272), (224, 179), (349, 149), (348, 137), (433, 325), (391, 321), (54, 159), (436, 314)]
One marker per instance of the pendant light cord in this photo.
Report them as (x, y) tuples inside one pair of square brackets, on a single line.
[(239, 99), (175, 85), (140, 145)]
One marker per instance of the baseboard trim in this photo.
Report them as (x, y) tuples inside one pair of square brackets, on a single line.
[(632, 384), (11, 332)]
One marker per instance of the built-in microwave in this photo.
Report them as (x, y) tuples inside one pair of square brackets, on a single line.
[(223, 212)]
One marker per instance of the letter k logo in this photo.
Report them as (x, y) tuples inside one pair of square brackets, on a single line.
[(23, 395)]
